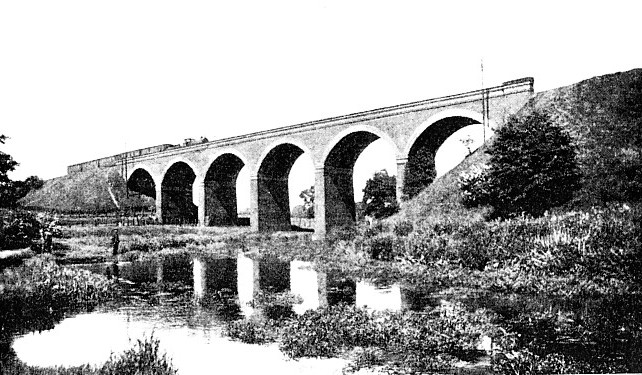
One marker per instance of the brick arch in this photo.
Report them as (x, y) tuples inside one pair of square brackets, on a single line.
[(355, 129), (271, 177), (177, 193), (424, 142), (266, 151), (338, 171), (454, 112), (141, 186), (130, 172), (219, 187), (218, 154)]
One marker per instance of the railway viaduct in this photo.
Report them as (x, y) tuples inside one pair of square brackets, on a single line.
[(198, 182)]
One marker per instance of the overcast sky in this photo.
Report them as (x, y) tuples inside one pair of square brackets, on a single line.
[(80, 80)]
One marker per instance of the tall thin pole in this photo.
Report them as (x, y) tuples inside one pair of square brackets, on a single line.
[(126, 184), (484, 120)]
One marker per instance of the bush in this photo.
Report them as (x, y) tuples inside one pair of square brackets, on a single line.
[(381, 247), (253, 331), (18, 230), (143, 359), (474, 185), (403, 228), (532, 168)]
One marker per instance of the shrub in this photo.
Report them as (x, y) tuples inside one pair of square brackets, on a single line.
[(143, 359), (381, 247), (532, 168), (473, 185), (18, 230), (403, 228), (252, 331)]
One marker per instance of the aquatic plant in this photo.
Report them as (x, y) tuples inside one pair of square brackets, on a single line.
[(420, 341), (253, 331), (38, 293)]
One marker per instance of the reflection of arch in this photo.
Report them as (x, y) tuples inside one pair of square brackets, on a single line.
[(177, 194), (219, 182), (338, 167), (425, 141), (272, 172)]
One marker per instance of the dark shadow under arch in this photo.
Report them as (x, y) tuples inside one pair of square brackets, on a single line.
[(273, 192), (420, 168), (220, 190), (177, 200), (142, 182), (340, 208)]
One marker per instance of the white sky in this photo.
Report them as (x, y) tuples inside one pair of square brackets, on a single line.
[(80, 80)]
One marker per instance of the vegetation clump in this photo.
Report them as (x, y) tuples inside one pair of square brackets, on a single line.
[(37, 294), (532, 169)]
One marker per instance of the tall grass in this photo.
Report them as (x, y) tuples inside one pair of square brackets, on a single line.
[(90, 244), (37, 294)]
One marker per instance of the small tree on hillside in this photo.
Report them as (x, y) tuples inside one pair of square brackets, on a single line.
[(532, 168), (380, 196)]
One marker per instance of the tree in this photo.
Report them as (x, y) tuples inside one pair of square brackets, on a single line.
[(12, 191), (380, 195), (7, 188), (308, 201), (532, 168)]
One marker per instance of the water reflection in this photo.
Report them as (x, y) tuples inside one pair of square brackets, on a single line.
[(309, 285), (378, 297), (247, 270), (186, 300)]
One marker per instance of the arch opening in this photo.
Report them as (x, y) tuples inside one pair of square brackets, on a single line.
[(340, 206), (221, 203), (177, 195), (141, 192), (142, 183), (273, 210), (420, 169)]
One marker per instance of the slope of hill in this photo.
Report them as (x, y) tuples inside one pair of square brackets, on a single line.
[(604, 117), (91, 191)]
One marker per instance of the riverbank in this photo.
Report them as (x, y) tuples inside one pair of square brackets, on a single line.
[(562, 291)]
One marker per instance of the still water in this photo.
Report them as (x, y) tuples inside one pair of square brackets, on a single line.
[(185, 302)]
